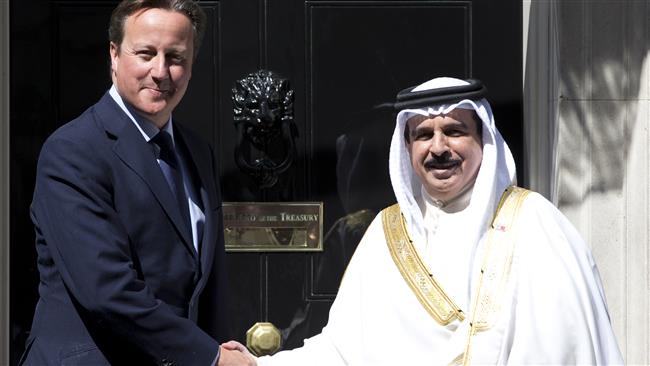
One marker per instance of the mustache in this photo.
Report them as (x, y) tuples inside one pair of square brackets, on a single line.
[(441, 162)]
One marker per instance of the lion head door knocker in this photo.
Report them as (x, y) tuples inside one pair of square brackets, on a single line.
[(263, 116)]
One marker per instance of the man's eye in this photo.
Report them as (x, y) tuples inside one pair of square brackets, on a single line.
[(145, 55), (423, 136), (176, 59), (455, 132)]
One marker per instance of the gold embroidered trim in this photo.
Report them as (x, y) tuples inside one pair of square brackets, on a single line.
[(458, 360), (496, 265), (430, 294)]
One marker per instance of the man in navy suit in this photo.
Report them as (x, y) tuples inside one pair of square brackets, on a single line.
[(127, 213)]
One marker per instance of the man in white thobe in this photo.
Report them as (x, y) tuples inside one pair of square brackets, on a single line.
[(460, 272)]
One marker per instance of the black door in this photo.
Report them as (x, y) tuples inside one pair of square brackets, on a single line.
[(344, 61)]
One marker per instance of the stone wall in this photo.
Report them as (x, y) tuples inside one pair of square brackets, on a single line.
[(587, 96)]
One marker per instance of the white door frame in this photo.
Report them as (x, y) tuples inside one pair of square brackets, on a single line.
[(540, 58)]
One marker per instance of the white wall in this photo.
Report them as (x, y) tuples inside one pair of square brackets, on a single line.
[(598, 87)]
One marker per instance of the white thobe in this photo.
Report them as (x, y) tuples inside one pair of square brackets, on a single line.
[(553, 311)]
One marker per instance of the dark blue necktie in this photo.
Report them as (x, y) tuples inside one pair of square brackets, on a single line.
[(171, 169)]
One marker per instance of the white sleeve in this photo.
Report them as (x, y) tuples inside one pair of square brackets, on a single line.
[(317, 350), (338, 343)]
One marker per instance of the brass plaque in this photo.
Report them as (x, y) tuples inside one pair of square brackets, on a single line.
[(273, 226)]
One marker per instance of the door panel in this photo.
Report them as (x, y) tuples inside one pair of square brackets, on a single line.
[(345, 60)]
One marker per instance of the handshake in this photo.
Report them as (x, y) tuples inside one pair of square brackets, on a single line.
[(233, 353)]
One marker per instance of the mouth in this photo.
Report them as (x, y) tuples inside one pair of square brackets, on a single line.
[(442, 169), (158, 92)]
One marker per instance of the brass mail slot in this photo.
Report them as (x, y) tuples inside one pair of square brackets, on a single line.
[(273, 226)]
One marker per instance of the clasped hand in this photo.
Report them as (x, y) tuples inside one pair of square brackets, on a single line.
[(234, 353)]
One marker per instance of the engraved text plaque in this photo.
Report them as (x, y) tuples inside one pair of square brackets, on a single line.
[(273, 226)]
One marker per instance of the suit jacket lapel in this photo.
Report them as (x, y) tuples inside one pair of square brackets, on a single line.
[(201, 165), (135, 152)]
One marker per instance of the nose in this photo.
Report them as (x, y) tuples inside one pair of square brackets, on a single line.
[(439, 145), (159, 68)]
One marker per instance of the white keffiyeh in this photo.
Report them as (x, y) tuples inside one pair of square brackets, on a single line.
[(496, 173)]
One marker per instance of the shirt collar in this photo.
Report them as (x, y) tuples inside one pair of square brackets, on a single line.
[(147, 128)]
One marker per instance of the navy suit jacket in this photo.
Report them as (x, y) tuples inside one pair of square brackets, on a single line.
[(120, 280)]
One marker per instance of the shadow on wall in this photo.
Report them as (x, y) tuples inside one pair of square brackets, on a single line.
[(601, 60)]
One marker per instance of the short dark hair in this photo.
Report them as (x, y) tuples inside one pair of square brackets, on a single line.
[(126, 8), (475, 117)]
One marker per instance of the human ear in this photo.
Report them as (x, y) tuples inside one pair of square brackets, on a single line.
[(114, 50)]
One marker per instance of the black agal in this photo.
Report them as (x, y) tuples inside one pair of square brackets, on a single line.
[(408, 99)]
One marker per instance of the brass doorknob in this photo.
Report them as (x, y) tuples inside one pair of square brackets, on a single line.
[(263, 339)]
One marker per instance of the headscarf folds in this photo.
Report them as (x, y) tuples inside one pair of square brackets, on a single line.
[(496, 173)]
